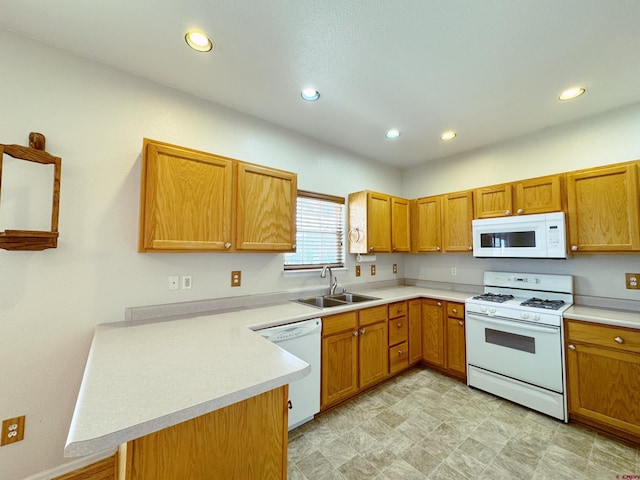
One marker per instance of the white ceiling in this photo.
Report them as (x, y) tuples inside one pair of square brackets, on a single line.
[(490, 70)]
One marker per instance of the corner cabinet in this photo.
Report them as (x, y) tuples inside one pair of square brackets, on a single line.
[(603, 377), (443, 337), (603, 209), (194, 201)]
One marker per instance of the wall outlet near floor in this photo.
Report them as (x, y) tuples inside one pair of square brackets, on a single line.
[(236, 278), (186, 282), (632, 281), (373, 270), (357, 270), (12, 430), (173, 282), (395, 268)]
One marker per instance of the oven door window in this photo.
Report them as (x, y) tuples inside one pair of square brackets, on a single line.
[(510, 340), (508, 239)]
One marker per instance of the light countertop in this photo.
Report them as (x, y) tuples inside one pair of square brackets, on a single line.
[(144, 377)]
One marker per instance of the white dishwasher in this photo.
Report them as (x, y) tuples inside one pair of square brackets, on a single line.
[(302, 339)]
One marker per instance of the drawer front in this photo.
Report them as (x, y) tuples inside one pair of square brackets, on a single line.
[(627, 339), (372, 315), (339, 323), (398, 330), (455, 310), (397, 309), (398, 358)]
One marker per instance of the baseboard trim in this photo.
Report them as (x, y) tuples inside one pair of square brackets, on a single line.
[(71, 466)]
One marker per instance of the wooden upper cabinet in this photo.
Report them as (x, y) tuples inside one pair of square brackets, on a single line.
[(370, 221), (400, 225), (265, 209), (494, 201), (378, 222), (534, 195), (186, 200), (603, 209), (426, 224), (194, 201), (457, 213)]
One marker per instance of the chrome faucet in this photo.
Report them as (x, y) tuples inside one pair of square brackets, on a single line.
[(333, 281)]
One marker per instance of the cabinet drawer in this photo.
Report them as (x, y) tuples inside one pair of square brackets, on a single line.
[(339, 323), (604, 335), (455, 310), (372, 315), (398, 358), (398, 330), (397, 309)]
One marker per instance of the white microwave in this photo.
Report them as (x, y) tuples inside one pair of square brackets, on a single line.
[(524, 236)]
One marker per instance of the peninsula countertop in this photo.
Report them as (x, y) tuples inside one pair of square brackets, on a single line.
[(142, 377)]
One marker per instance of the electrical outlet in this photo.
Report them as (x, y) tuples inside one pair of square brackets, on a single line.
[(395, 268), (236, 278), (357, 270), (186, 282), (373, 270), (173, 282), (12, 430), (454, 271), (632, 281)]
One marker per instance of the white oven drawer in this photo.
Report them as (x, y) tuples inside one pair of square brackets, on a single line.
[(527, 352)]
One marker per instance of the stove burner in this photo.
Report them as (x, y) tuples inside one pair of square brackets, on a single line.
[(539, 303), (493, 297)]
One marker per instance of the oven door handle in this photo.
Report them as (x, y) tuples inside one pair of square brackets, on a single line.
[(515, 323)]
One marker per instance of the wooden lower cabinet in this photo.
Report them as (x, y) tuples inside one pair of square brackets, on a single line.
[(443, 337), (106, 469), (415, 331), (603, 377), (244, 441), (354, 353)]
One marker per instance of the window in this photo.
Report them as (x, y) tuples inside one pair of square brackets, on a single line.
[(319, 232)]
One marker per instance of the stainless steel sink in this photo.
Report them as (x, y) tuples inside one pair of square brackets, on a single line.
[(337, 300)]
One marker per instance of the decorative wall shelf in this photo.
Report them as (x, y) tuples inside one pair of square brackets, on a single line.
[(33, 239)]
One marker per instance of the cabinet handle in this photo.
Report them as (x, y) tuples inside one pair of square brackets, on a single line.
[(371, 249), (572, 346), (227, 245), (507, 212), (439, 304), (394, 249), (574, 248), (460, 322), (294, 246), (437, 249), (399, 324), (520, 211), (355, 334), (454, 310), (399, 310), (400, 352), (470, 249), (290, 405), (362, 331), (619, 340)]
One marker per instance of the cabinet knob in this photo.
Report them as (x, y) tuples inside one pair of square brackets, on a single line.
[(355, 334), (507, 212), (437, 249), (520, 211), (470, 249), (572, 346), (619, 340), (362, 331), (400, 352), (227, 245), (394, 249), (294, 246), (399, 325), (399, 310), (574, 248), (439, 304), (371, 249), (461, 323), (454, 310)]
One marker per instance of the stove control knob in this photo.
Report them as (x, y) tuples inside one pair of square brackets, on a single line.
[(483, 309), (524, 315), (536, 316), (492, 310)]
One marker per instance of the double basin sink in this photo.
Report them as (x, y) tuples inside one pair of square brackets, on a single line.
[(336, 300)]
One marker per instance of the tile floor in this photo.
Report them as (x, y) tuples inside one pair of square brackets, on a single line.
[(425, 425)]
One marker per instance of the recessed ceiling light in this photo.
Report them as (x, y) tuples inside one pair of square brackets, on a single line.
[(198, 41), (393, 133), (571, 93), (310, 94), (448, 135)]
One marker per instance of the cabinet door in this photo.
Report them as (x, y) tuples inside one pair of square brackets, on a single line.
[(539, 195), (186, 202), (457, 211), (339, 367), (603, 209), (604, 386), (433, 332), (426, 228), (456, 353), (374, 355), (265, 209), (415, 331), (494, 201), (379, 222), (400, 225)]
